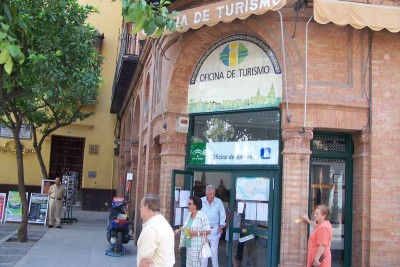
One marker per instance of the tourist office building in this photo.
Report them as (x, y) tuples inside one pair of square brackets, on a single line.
[(282, 106)]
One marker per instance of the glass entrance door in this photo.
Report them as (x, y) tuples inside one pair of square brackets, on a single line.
[(250, 217)]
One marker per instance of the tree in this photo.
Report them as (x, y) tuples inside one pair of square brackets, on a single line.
[(151, 16), (51, 72)]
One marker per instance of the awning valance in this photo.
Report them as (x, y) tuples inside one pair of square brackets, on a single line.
[(225, 11), (358, 15)]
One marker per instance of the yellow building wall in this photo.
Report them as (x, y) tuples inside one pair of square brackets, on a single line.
[(97, 130)]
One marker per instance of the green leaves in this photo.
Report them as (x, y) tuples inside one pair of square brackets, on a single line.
[(152, 18), (10, 50)]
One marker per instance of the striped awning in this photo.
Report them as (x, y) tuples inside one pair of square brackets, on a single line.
[(222, 11), (358, 15)]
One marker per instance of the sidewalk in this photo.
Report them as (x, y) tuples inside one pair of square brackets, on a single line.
[(78, 244)]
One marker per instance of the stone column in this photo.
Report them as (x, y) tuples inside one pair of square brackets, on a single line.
[(361, 199), (295, 183), (173, 153)]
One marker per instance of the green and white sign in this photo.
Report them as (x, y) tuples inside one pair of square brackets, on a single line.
[(238, 72), (235, 153)]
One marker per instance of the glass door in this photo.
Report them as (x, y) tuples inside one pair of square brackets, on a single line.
[(181, 189), (250, 219)]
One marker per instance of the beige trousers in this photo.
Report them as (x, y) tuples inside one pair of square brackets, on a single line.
[(55, 211)]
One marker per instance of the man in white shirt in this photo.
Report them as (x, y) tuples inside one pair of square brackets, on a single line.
[(56, 193), (215, 211), (156, 241)]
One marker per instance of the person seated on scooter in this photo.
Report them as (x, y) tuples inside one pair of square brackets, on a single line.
[(156, 242)]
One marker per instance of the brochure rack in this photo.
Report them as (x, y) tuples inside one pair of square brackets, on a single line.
[(70, 183)]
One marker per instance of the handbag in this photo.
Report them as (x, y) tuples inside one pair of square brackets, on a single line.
[(205, 251), (321, 258)]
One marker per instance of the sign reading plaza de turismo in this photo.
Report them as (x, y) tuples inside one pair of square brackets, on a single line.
[(238, 72)]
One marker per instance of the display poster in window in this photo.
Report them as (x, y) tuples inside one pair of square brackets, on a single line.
[(2, 205), (252, 189), (184, 198), (38, 208), (14, 207), (46, 186)]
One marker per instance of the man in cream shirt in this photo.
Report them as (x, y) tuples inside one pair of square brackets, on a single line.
[(156, 241)]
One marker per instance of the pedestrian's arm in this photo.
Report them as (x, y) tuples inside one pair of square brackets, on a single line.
[(320, 251), (222, 217), (148, 247), (307, 220), (145, 262)]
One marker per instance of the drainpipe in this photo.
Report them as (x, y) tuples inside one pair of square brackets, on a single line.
[(306, 83), (288, 116)]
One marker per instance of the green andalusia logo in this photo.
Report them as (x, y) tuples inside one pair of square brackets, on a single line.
[(233, 54), (198, 153)]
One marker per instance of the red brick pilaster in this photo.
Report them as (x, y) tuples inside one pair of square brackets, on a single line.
[(361, 199), (173, 153), (295, 174)]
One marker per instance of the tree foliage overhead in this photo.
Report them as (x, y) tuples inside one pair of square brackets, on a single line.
[(151, 16), (52, 70)]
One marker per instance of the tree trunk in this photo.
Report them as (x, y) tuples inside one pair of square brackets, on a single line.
[(38, 148), (23, 228), (41, 162)]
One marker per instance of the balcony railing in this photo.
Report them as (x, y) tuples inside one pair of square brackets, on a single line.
[(129, 50)]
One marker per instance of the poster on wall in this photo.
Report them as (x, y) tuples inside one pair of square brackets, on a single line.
[(14, 207), (38, 208), (46, 185), (24, 133), (238, 72), (2, 205), (252, 189)]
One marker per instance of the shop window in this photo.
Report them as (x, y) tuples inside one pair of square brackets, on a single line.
[(237, 138)]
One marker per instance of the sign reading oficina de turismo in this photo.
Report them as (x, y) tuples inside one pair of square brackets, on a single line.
[(238, 72), (235, 153), (225, 11), (221, 11)]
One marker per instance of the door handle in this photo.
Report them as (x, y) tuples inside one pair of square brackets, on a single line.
[(244, 231)]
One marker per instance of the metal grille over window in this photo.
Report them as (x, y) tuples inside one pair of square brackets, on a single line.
[(329, 144), (319, 160)]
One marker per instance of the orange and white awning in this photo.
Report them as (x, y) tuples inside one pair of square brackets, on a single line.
[(225, 11), (222, 11), (358, 15)]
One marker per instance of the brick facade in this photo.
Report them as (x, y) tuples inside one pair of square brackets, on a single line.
[(344, 79)]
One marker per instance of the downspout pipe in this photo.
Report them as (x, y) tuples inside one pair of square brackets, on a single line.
[(306, 78), (288, 116)]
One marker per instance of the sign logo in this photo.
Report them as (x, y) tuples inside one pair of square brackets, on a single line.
[(265, 153), (198, 153), (233, 54)]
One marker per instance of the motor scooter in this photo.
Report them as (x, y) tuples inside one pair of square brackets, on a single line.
[(118, 226)]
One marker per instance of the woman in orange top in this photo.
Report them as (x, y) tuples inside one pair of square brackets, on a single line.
[(320, 239)]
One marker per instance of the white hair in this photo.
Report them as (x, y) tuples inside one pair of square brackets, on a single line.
[(210, 187)]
